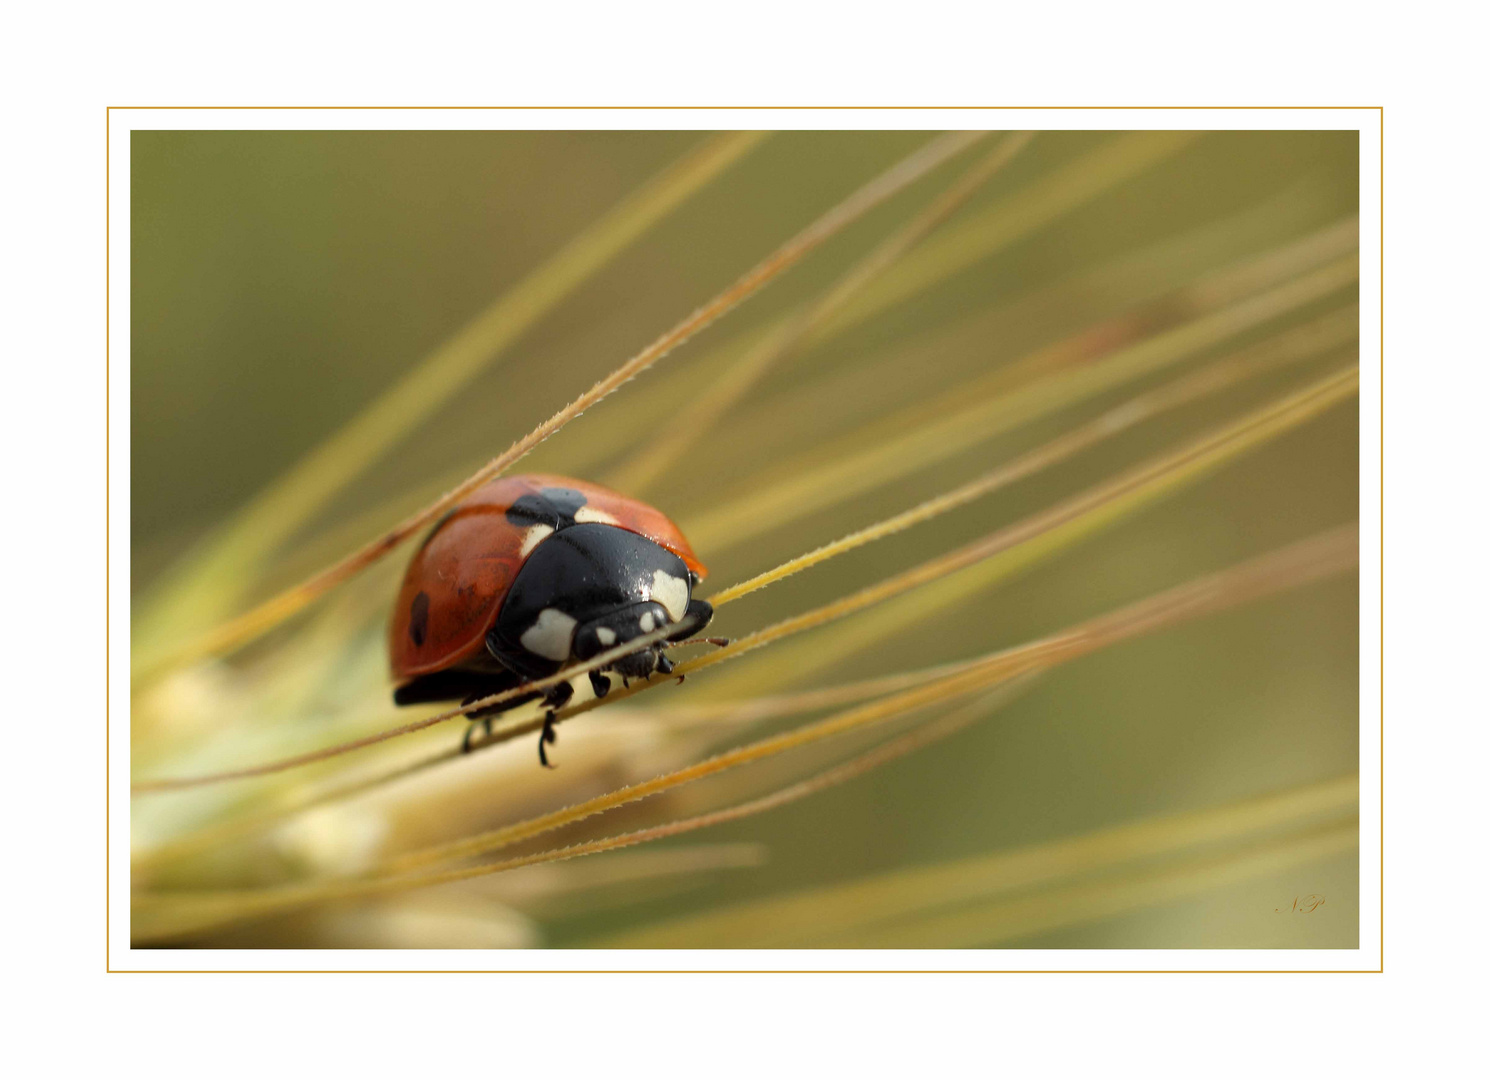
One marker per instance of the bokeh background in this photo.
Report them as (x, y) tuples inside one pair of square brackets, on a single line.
[(281, 281)]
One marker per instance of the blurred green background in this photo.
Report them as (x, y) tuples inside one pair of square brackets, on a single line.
[(281, 280)]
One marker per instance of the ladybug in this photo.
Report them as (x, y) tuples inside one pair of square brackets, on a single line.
[(529, 574)]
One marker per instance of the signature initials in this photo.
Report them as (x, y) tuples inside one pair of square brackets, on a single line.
[(1302, 905)]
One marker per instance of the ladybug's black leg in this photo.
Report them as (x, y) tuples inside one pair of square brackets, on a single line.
[(664, 665), (549, 735), (599, 683), (484, 723), (557, 697), (483, 717)]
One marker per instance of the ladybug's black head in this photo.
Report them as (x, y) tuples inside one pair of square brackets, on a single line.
[(588, 588), (618, 627)]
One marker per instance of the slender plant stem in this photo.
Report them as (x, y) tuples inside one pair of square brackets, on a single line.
[(211, 581), (244, 628), (1294, 346), (1330, 552), (708, 408), (1320, 556), (1033, 387), (1074, 515), (723, 715), (848, 908)]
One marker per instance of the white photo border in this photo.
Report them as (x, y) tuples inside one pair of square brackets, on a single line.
[(121, 121)]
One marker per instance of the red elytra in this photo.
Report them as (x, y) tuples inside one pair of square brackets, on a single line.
[(467, 565)]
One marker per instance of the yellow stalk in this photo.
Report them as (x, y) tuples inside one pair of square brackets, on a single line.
[(595, 663), (1074, 904), (239, 631), (718, 715), (1007, 552), (165, 915), (744, 711), (900, 746), (829, 477), (209, 583), (705, 410), (830, 399), (1264, 278), (1291, 347), (1327, 553), (1045, 200), (1065, 190), (1020, 544), (795, 920), (985, 233)]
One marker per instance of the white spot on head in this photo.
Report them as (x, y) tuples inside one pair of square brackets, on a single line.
[(589, 513), (531, 538), (606, 635), (551, 636), (647, 622), (671, 593)]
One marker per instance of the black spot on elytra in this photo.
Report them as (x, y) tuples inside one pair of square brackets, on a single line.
[(553, 506), (419, 618), (438, 526)]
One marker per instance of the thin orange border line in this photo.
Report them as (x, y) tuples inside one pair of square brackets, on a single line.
[(1381, 344)]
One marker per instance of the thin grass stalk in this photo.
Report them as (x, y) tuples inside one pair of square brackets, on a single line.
[(595, 663), (966, 572), (236, 828), (580, 888), (826, 478), (718, 715), (1010, 550), (738, 712), (209, 583), (990, 230), (923, 735), (1295, 346), (244, 628), (1211, 291), (1078, 903), (607, 432), (1044, 200), (1291, 346), (1062, 524), (1320, 556), (1062, 192), (1254, 277), (1138, 328), (1332, 545), (850, 908), (1152, 313), (927, 733), (705, 410), (1327, 553)]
